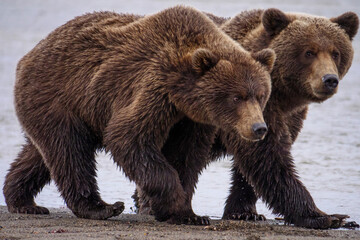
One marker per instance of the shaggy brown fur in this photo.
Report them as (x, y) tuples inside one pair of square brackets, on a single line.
[(104, 81), (313, 54)]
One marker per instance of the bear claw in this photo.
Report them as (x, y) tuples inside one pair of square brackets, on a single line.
[(323, 222), (338, 220), (118, 208), (351, 225), (193, 220), (245, 217)]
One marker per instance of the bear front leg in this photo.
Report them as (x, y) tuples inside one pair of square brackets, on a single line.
[(139, 154), (269, 167), (187, 149), (153, 175), (241, 203), (25, 179)]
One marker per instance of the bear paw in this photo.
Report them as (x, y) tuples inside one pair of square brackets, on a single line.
[(101, 211), (245, 216), (190, 220), (323, 222), (30, 209)]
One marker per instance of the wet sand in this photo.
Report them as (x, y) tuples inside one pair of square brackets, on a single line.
[(62, 224)]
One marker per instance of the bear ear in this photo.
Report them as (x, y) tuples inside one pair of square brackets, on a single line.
[(203, 60), (274, 21), (348, 21), (266, 57)]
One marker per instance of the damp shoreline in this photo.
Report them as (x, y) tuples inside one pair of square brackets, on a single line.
[(62, 224)]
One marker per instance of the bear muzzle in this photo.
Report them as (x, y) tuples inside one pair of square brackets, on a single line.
[(255, 133), (251, 125), (330, 81), (259, 130), (326, 86)]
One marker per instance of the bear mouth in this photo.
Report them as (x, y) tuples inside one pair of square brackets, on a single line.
[(251, 139), (324, 94)]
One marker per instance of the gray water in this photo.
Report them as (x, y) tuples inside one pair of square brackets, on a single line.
[(327, 152)]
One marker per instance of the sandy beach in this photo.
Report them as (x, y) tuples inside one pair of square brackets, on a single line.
[(62, 224)]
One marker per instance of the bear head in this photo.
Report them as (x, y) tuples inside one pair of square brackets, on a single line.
[(229, 92), (313, 53)]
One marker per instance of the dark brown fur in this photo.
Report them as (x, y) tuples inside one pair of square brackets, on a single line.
[(265, 169), (105, 81), (268, 165)]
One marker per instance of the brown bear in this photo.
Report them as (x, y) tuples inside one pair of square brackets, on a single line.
[(94, 83), (313, 54)]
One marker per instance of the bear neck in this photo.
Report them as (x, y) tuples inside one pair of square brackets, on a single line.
[(286, 99)]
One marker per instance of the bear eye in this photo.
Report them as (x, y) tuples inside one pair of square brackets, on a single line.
[(335, 55), (236, 99), (309, 53)]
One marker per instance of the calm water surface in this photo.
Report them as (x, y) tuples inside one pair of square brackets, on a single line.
[(327, 152)]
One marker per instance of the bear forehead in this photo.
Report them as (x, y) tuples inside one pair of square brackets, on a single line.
[(316, 30), (240, 75), (243, 65), (300, 15), (315, 25)]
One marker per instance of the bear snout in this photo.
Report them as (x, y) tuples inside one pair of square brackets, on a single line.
[(251, 125), (330, 81), (259, 130)]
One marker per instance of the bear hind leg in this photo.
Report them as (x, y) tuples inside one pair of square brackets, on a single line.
[(25, 179), (69, 153)]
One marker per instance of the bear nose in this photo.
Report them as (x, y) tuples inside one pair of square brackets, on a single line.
[(331, 81), (259, 129)]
